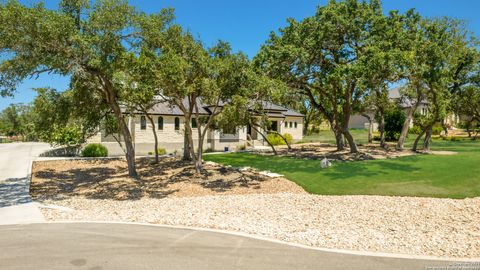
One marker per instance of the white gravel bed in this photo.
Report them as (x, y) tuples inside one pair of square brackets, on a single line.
[(421, 226)]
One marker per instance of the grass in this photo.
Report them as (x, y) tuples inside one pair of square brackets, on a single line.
[(452, 176), (327, 136)]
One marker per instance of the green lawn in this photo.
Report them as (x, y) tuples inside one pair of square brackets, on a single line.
[(454, 176), (327, 136)]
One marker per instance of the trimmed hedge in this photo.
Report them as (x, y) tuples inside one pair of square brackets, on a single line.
[(95, 150)]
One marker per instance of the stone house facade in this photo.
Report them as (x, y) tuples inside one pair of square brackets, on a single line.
[(169, 127)]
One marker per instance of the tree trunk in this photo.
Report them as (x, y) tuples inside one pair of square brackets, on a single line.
[(186, 147), (130, 154), (381, 129), (154, 136), (305, 127), (351, 142), (189, 138), (406, 127), (444, 126), (469, 131), (119, 141), (265, 139), (198, 160), (112, 101), (339, 139), (428, 139), (415, 144), (370, 127), (285, 140)]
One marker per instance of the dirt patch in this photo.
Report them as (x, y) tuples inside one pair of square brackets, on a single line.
[(108, 179), (320, 151)]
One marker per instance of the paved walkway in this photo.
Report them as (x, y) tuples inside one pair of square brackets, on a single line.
[(125, 246), (16, 205)]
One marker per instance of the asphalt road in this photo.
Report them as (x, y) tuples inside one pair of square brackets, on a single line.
[(123, 246)]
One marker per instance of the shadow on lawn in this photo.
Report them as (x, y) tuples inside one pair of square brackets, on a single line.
[(108, 179)]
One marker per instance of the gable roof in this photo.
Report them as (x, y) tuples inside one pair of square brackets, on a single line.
[(402, 101), (165, 108)]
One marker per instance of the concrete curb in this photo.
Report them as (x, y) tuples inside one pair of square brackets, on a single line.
[(241, 234)]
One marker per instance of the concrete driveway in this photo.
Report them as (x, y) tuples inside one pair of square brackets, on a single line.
[(16, 205), (125, 246)]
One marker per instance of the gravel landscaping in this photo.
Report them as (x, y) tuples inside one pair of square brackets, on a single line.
[(422, 226), (248, 201)]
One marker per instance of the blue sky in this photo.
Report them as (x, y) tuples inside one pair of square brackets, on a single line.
[(247, 23)]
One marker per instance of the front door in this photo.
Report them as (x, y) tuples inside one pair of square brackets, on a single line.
[(274, 126), (251, 132)]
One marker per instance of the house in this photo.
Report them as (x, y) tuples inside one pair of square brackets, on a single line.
[(358, 121), (169, 127)]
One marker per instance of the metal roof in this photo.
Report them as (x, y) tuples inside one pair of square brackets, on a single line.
[(273, 110)]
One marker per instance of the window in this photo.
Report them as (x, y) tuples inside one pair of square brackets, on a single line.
[(160, 123), (295, 124), (194, 122), (286, 124), (143, 122), (229, 130), (291, 124), (177, 123)]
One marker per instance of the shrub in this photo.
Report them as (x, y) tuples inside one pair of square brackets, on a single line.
[(288, 137), (415, 130), (394, 120), (451, 139), (275, 139), (208, 150), (161, 151), (95, 150), (241, 147), (437, 129)]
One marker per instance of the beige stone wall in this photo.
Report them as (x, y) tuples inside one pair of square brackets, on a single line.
[(218, 141), (168, 134), (358, 121), (172, 140), (296, 132)]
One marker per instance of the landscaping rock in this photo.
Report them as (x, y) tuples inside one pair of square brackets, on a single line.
[(421, 226)]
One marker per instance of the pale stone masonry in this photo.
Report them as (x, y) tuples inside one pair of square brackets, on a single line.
[(171, 136)]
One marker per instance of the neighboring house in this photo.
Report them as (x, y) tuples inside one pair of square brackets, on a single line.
[(358, 121), (169, 126)]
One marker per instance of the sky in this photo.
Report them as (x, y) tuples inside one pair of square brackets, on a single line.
[(246, 24)]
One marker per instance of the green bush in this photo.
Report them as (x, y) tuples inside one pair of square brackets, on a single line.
[(161, 151), (394, 120), (275, 139), (94, 150), (415, 130), (208, 150), (241, 147), (451, 139), (437, 129)]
